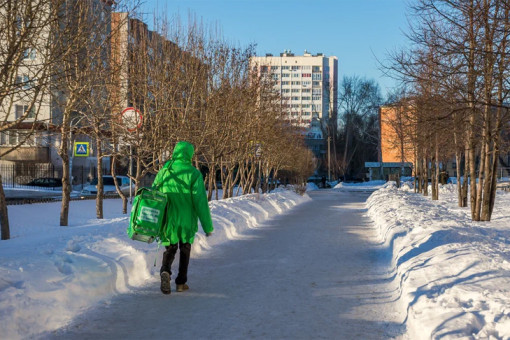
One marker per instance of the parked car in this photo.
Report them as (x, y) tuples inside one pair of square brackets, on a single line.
[(108, 186), (46, 182)]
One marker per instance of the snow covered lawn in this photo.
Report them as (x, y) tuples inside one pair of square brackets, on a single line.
[(453, 274), (49, 274)]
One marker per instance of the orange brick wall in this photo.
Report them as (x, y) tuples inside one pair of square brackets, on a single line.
[(390, 140)]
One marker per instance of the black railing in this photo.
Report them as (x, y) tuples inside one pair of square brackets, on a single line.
[(23, 175)]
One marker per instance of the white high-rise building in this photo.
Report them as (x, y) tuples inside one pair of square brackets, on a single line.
[(307, 84)]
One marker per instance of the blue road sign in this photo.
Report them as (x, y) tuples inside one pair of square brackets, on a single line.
[(81, 149)]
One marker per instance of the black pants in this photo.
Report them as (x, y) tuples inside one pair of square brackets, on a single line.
[(168, 259)]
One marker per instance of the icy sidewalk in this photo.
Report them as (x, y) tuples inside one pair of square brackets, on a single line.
[(453, 274), (317, 272), (50, 274)]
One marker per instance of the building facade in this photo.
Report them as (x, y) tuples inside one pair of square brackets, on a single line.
[(31, 143), (308, 86)]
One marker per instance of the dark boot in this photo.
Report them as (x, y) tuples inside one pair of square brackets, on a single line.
[(165, 283)]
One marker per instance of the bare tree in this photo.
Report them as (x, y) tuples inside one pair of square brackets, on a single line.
[(359, 100), (25, 70)]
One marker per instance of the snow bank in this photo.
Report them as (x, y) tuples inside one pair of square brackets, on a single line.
[(363, 186), (49, 274), (311, 186), (453, 274)]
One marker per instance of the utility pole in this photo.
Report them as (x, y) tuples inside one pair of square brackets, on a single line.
[(329, 158)]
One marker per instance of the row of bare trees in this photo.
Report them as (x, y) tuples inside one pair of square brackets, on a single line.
[(188, 83), (456, 94)]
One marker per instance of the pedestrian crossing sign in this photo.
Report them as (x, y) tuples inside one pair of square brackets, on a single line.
[(81, 149)]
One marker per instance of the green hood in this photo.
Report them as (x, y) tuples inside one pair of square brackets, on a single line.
[(183, 151)]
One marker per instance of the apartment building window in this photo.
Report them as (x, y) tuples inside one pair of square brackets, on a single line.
[(317, 76), (275, 76), (316, 92), (14, 137), (295, 68), (316, 83), (274, 68), (285, 75), (296, 75), (24, 81), (296, 105), (296, 83), (305, 106), (307, 67), (29, 53), (21, 109), (295, 90), (295, 98), (285, 82), (285, 67), (286, 91), (305, 90), (316, 98), (307, 82), (307, 113), (316, 107), (316, 68), (306, 98), (306, 75), (285, 98)]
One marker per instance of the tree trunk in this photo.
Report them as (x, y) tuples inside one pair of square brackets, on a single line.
[(100, 184), (117, 187), (425, 176), (465, 184), (458, 160), (435, 184), (4, 216), (472, 169), (66, 185), (484, 151)]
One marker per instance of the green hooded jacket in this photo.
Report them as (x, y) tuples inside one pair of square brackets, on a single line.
[(184, 186)]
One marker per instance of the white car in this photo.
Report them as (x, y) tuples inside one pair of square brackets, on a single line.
[(108, 186)]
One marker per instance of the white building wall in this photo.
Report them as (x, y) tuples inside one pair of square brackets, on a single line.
[(305, 84)]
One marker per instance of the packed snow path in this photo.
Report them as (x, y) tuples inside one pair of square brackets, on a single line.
[(317, 272)]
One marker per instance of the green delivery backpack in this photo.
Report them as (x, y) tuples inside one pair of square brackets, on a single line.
[(147, 215)]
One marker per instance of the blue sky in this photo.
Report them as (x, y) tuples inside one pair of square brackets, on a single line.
[(358, 32)]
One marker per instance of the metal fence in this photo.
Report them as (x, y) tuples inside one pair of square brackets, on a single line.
[(20, 174)]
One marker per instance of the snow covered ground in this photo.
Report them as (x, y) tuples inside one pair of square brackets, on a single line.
[(50, 274), (363, 186), (453, 274)]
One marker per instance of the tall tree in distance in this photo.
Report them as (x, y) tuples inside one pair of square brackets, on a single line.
[(359, 101)]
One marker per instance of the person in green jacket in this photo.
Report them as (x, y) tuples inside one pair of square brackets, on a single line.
[(184, 186)]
